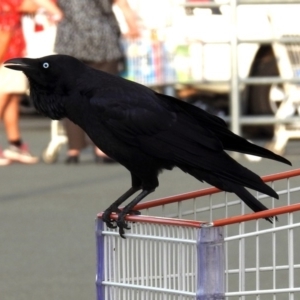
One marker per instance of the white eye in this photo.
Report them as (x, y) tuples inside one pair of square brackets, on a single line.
[(46, 65)]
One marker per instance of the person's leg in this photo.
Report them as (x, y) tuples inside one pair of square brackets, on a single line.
[(4, 99), (11, 118), (9, 111), (76, 141)]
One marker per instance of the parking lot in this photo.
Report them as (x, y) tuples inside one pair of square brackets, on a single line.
[(47, 244)]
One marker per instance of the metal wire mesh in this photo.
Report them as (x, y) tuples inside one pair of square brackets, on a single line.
[(158, 258), (154, 262)]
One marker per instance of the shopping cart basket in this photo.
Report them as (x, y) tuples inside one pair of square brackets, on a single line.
[(231, 254)]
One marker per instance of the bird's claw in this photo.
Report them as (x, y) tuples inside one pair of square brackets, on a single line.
[(110, 223), (120, 222)]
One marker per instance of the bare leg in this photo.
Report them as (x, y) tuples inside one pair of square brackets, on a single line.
[(9, 109), (4, 99), (76, 138), (9, 112)]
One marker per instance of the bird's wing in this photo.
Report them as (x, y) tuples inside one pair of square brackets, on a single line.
[(165, 131), (229, 140), (140, 118)]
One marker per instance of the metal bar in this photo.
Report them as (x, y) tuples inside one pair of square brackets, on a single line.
[(197, 224), (220, 222), (262, 269), (158, 220), (208, 191), (151, 237), (268, 80), (258, 215), (249, 80), (242, 278), (290, 244), (211, 262), (265, 120), (234, 83), (227, 204), (273, 267), (282, 40), (271, 230), (262, 292), (195, 82), (203, 4), (100, 260), (239, 2), (267, 2), (148, 288), (257, 273)]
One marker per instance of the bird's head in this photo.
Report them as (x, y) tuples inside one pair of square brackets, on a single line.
[(56, 73), (51, 79)]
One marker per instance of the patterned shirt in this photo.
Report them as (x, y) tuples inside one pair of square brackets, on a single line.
[(10, 20), (89, 31)]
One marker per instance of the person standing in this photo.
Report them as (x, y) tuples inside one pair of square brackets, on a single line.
[(12, 85), (90, 32)]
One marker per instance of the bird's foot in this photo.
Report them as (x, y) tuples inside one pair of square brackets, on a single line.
[(121, 222), (110, 223)]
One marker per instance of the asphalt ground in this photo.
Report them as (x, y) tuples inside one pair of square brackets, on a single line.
[(47, 214)]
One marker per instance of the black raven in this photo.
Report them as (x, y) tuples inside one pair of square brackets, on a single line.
[(143, 130)]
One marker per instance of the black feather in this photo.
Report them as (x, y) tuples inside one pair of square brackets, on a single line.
[(143, 130)]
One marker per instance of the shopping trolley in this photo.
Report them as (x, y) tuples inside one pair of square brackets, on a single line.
[(58, 138), (288, 55), (286, 96), (231, 254)]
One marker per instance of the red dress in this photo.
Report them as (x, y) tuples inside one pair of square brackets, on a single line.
[(10, 20)]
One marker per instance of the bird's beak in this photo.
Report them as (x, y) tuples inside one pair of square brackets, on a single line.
[(20, 64)]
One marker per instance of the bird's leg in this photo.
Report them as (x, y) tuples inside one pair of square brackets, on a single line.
[(128, 210), (115, 207)]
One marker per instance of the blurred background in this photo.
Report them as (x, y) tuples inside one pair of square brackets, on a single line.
[(239, 60)]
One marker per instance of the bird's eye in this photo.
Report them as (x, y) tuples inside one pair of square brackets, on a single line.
[(46, 65)]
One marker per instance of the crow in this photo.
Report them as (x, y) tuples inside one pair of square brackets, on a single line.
[(143, 130)]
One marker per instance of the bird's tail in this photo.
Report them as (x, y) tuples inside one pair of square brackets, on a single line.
[(248, 198), (235, 183), (234, 142)]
